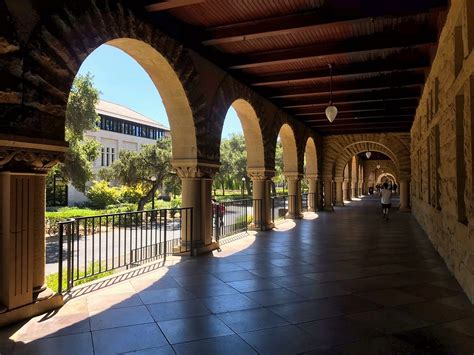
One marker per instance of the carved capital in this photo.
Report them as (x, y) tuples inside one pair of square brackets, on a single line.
[(24, 159), (260, 174), (293, 176), (195, 169)]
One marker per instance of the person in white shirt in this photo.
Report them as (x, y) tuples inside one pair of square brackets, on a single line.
[(386, 195)]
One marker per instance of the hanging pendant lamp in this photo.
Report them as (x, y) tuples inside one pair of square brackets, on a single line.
[(331, 110), (368, 154)]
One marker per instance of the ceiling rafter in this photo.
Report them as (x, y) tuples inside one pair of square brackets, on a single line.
[(296, 23)]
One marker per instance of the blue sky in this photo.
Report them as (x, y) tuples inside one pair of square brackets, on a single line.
[(122, 80)]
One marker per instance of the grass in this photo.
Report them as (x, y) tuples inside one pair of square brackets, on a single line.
[(52, 279)]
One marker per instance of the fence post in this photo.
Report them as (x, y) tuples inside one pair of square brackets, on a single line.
[(60, 256)]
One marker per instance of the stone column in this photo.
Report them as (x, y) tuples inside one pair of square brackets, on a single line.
[(262, 204), (339, 194), (312, 193), (404, 195), (345, 190), (319, 194), (328, 194), (196, 192), (23, 292), (294, 195)]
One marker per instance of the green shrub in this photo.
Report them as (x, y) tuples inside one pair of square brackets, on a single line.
[(100, 194), (132, 194)]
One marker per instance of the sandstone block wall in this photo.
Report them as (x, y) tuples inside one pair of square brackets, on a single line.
[(442, 185)]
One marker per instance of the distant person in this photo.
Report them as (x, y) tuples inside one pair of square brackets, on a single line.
[(395, 187), (386, 195), (218, 209)]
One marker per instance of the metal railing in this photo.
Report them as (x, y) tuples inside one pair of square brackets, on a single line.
[(100, 244), (305, 202), (231, 217), (279, 207)]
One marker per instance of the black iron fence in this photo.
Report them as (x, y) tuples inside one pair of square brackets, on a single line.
[(231, 217), (100, 244), (279, 207)]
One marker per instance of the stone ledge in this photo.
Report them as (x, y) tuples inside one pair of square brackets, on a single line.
[(31, 310)]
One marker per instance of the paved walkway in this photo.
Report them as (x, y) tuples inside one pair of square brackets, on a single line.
[(344, 282)]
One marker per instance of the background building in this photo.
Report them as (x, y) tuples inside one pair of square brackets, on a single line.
[(120, 128)]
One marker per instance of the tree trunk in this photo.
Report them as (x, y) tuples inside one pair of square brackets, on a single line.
[(248, 187), (223, 188), (273, 188), (147, 197)]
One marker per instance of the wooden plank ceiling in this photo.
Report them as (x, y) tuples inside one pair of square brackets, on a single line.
[(380, 52)]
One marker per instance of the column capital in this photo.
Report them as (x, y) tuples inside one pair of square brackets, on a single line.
[(260, 173), (339, 179), (195, 169), (293, 175), (29, 157), (312, 176)]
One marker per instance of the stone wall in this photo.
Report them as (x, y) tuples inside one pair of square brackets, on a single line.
[(442, 188)]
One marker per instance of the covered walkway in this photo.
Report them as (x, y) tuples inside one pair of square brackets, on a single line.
[(344, 282)]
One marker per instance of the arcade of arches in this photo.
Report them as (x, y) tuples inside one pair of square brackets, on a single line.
[(42, 49)]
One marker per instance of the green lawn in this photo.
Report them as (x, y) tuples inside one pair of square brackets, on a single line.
[(52, 279)]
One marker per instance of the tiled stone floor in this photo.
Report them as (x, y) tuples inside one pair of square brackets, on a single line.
[(344, 282)]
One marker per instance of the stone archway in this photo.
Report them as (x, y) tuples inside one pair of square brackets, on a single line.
[(338, 150), (291, 171), (311, 174)]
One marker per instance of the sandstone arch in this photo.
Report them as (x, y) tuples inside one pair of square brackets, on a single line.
[(50, 69), (338, 150), (290, 150), (311, 158)]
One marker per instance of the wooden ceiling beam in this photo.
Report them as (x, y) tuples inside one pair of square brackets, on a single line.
[(409, 103), (303, 22), (378, 83), (362, 115), (376, 43), (356, 130), (171, 4), (358, 97), (418, 64), (364, 120)]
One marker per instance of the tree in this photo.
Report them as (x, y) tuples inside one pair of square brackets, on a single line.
[(134, 168), (233, 162), (80, 116)]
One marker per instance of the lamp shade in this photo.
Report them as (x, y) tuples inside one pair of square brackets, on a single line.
[(378, 166), (368, 154), (331, 112)]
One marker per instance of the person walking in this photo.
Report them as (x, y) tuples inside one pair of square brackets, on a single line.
[(386, 195)]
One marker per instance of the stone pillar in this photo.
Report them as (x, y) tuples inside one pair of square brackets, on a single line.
[(345, 190), (328, 194), (23, 292), (196, 192), (312, 193), (294, 195), (404, 195), (339, 194), (262, 204), (319, 194)]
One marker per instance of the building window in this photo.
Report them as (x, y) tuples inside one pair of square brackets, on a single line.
[(102, 156), (112, 155), (108, 156)]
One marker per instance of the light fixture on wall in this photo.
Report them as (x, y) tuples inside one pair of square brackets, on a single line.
[(378, 166), (331, 110), (368, 154)]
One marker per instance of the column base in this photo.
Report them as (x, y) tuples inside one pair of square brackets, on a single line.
[(404, 209), (42, 293), (267, 227), (339, 204), (31, 310), (328, 209), (294, 215)]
